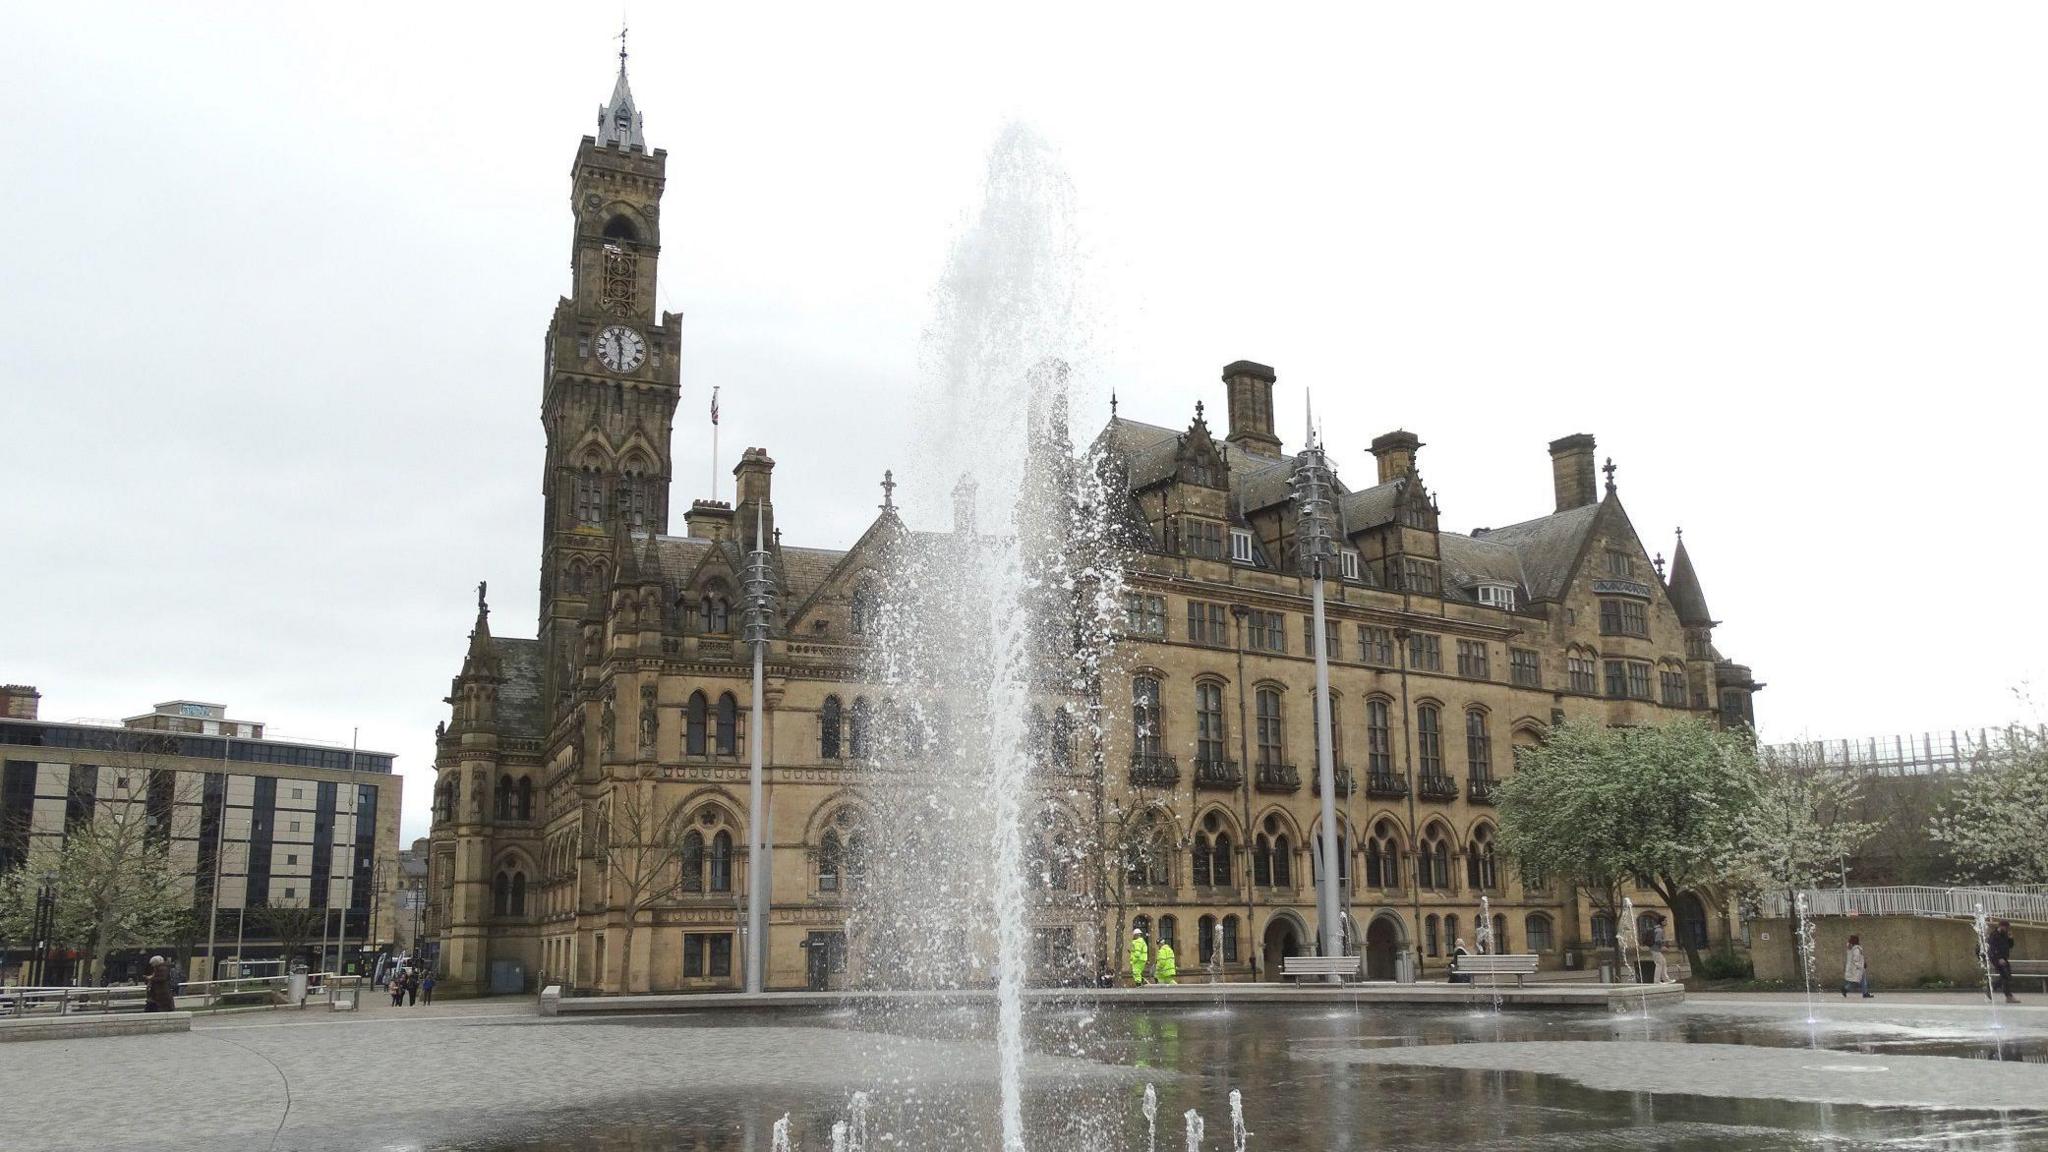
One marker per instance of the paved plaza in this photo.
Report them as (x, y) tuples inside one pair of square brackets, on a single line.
[(494, 1074)]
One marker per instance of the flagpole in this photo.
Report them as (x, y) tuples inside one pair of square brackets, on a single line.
[(714, 443)]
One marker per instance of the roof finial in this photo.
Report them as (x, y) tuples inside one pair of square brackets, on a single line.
[(1609, 469), (622, 42), (1309, 403), (888, 490), (1679, 532), (1112, 403), (1198, 409), (1658, 564), (482, 609)]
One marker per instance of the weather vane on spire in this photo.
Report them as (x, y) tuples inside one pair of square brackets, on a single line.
[(622, 42)]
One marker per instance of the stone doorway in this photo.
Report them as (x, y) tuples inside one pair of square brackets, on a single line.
[(1284, 937)]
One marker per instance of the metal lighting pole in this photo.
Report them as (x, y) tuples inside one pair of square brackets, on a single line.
[(45, 926), (760, 589), (348, 892), (1312, 485), (220, 842)]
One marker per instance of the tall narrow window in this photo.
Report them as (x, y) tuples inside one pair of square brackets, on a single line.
[(828, 862), (690, 862), (728, 725), (828, 729), (857, 729), (721, 861), (1209, 740), (696, 718), (1379, 739), (1272, 750), (862, 615), (1429, 740), (1145, 720), (1262, 862), (1478, 745), (1283, 863), (1199, 856)]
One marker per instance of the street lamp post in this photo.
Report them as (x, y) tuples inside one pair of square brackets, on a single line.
[(1314, 529), (760, 592)]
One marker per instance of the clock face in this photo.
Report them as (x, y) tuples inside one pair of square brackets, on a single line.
[(620, 348)]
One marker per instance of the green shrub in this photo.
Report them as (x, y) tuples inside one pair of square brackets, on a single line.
[(1724, 963)]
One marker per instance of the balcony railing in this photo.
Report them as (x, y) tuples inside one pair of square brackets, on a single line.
[(1436, 788), (1386, 785), (1341, 776), (1220, 774), (1154, 770), (1278, 778), (1479, 789)]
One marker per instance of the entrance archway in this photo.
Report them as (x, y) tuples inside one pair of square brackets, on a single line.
[(1382, 944), (1285, 936)]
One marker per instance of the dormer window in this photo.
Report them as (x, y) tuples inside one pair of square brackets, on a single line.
[(1500, 596), (1240, 546), (1197, 472), (1348, 560)]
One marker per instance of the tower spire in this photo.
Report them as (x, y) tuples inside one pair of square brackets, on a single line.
[(618, 122)]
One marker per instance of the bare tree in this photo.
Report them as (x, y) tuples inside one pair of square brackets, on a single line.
[(292, 925), (640, 844)]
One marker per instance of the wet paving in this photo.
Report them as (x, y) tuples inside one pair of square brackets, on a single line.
[(1751, 1077)]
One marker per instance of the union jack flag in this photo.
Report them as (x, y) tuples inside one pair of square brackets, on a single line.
[(714, 405)]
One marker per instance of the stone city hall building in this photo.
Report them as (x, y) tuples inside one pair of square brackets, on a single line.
[(624, 719)]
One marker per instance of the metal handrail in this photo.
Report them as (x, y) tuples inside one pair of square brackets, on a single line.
[(2024, 902)]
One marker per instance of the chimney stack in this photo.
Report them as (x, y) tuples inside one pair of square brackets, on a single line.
[(19, 701), (1396, 453), (751, 489), (1571, 468), (708, 520), (1251, 407)]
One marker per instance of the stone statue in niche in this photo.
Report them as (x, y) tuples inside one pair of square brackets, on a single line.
[(647, 720), (476, 794), (607, 726)]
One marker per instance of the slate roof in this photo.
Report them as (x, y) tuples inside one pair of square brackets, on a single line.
[(1371, 507), (1684, 590), (803, 569), (1547, 546), (1468, 561), (519, 704)]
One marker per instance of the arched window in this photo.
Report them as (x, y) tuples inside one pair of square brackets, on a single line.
[(1210, 745), (1262, 862), (519, 893), (1451, 934), (1142, 924), (1315, 858), (696, 717), (857, 735), (828, 729), (1429, 740), (1168, 930), (1478, 745), (1336, 729), (862, 616), (828, 862), (691, 862), (1429, 930), (526, 798), (1433, 866), (1383, 856), (578, 577), (1146, 727), (501, 894), (728, 725), (1230, 939), (1148, 854), (1536, 927), (1062, 737), (1283, 863), (1205, 940), (1201, 859), (1481, 872), (1691, 913), (1220, 862), (620, 228), (721, 861), (505, 800), (1272, 744), (1379, 740), (712, 614), (1603, 930), (1500, 933), (856, 859), (590, 498)]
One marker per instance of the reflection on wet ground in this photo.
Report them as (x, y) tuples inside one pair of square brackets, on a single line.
[(1309, 1084)]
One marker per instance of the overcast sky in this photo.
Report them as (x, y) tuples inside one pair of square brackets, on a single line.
[(276, 278)]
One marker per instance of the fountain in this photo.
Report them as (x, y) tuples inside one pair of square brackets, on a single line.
[(1194, 1123), (1982, 924), (1238, 1135), (1804, 926), (1151, 1111)]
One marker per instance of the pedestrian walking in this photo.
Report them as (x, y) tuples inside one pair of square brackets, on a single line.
[(1140, 955), (1164, 968), (1998, 949), (397, 989), (1855, 969), (159, 995), (427, 987), (1658, 971), (412, 988)]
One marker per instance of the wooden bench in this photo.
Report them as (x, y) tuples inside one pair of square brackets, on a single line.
[(1516, 964), (2031, 970), (1297, 967)]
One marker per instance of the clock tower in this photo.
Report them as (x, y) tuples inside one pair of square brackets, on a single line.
[(610, 380)]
